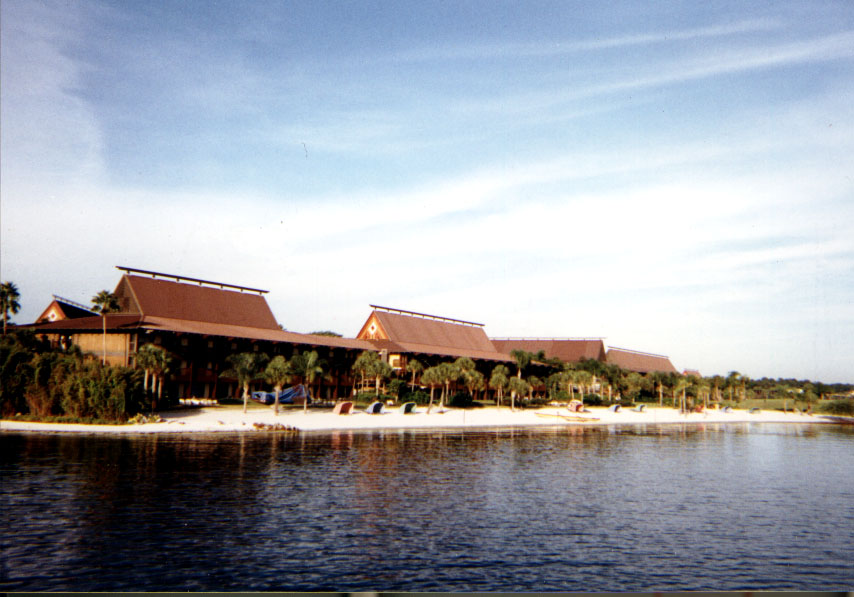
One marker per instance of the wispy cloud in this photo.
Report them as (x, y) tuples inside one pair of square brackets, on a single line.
[(560, 48)]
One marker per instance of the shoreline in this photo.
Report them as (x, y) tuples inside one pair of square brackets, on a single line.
[(219, 419)]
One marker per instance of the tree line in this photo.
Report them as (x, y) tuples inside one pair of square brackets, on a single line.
[(47, 381)]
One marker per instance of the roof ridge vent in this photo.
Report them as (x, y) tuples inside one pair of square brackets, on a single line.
[(647, 354), (425, 315), (200, 282)]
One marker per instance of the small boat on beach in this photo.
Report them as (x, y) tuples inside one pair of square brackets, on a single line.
[(566, 417), (296, 393)]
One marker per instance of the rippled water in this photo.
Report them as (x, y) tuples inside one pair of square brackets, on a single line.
[(646, 508)]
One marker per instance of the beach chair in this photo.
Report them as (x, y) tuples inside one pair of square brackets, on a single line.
[(343, 408), (727, 409), (614, 408), (575, 407), (375, 408), (754, 410), (638, 408), (407, 408)]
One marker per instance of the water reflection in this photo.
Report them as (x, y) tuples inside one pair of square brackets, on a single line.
[(676, 506)]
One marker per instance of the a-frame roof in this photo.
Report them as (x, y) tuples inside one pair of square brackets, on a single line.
[(406, 331), (641, 362), (151, 297), (568, 350), (61, 308)]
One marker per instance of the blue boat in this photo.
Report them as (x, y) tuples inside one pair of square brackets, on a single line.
[(296, 393)]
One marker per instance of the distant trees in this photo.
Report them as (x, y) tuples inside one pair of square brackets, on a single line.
[(9, 296)]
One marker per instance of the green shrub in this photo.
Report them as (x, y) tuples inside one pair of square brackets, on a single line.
[(593, 400), (461, 400), (844, 407)]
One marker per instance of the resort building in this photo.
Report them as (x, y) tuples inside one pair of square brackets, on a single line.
[(200, 323)]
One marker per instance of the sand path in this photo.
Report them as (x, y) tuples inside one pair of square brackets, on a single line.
[(231, 418)]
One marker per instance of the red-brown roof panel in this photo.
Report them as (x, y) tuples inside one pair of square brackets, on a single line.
[(641, 362), (190, 302), (567, 350)]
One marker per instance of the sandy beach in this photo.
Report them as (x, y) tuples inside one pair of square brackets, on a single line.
[(231, 418)]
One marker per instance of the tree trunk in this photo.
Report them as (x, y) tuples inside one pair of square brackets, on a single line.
[(104, 322), (278, 390), (245, 396)]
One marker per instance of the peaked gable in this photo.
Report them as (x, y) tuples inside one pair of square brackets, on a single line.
[(60, 309), (153, 297)]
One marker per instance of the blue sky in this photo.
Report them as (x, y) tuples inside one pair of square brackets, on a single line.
[(675, 177)]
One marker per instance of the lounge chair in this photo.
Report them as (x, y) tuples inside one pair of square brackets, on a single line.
[(727, 409), (375, 408), (343, 408), (754, 410), (575, 406), (614, 408), (638, 409), (407, 408)]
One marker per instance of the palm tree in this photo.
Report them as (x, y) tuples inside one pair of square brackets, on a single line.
[(732, 381), (680, 385), (523, 359), (498, 381), (310, 367), (583, 378), (160, 369), (245, 367), (468, 372), (517, 386), (105, 302), (9, 296), (278, 373), (370, 364), (448, 373), (146, 358), (431, 377), (414, 367)]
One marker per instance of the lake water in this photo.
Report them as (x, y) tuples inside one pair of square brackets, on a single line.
[(643, 508)]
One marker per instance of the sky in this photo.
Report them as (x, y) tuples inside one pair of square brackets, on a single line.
[(674, 177)]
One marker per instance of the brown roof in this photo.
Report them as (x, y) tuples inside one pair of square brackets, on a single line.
[(191, 302), (642, 362), (410, 332), (568, 350)]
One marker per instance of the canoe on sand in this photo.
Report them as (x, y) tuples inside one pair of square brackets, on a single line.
[(567, 417)]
